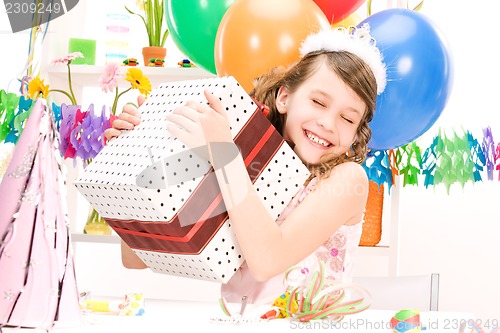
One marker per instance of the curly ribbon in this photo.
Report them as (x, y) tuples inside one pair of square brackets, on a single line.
[(321, 298), (313, 296), (224, 308)]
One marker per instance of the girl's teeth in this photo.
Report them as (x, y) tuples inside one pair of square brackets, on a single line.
[(317, 140)]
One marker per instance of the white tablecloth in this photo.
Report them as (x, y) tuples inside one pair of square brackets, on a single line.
[(165, 315)]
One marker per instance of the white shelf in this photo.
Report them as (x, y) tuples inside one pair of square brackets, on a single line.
[(87, 238), (88, 75), (115, 239), (374, 250)]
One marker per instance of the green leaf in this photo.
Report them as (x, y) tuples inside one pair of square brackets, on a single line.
[(153, 22)]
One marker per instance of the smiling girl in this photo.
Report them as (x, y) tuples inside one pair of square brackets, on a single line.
[(322, 106)]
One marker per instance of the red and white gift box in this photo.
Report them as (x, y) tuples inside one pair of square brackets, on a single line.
[(163, 199)]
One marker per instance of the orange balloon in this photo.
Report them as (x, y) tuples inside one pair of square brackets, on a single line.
[(257, 35), (350, 21)]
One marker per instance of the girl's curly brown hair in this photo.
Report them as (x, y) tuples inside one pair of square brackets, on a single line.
[(351, 69)]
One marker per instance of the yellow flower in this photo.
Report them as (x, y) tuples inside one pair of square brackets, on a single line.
[(36, 87), (138, 80)]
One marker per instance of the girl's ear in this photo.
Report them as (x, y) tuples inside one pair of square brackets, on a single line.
[(281, 99)]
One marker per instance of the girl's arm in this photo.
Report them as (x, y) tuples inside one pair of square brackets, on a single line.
[(130, 259), (269, 248), (127, 119)]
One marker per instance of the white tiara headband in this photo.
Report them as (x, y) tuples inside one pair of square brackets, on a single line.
[(356, 40)]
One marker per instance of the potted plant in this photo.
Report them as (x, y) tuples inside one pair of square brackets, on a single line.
[(153, 22)]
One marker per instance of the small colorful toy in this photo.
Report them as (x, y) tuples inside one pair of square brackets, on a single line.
[(406, 321), (130, 62), (131, 305), (156, 62), (280, 307), (186, 63)]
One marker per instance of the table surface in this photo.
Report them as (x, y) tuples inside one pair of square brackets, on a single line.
[(163, 315)]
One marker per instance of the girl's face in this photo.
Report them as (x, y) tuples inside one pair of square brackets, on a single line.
[(322, 116)]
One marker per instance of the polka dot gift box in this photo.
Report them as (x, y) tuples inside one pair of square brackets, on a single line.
[(163, 199)]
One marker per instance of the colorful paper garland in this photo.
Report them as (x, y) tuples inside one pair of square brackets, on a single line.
[(81, 133), (449, 159), (14, 110)]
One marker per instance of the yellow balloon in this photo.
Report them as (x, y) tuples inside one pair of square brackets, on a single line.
[(350, 21)]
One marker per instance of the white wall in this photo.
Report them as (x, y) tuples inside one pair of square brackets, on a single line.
[(14, 56), (455, 234)]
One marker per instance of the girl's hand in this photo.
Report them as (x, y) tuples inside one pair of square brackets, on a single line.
[(197, 124), (127, 120)]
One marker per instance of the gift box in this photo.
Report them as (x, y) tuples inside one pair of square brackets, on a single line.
[(163, 199)]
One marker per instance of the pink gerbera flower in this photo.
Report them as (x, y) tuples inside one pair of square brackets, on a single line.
[(67, 58), (108, 80)]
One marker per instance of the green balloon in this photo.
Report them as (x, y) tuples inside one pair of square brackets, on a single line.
[(193, 27)]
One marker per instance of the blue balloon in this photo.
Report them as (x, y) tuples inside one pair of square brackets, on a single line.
[(419, 77)]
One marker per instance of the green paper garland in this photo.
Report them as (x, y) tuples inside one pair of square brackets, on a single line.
[(14, 110), (409, 161)]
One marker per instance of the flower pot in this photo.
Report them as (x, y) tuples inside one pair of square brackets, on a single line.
[(156, 52)]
